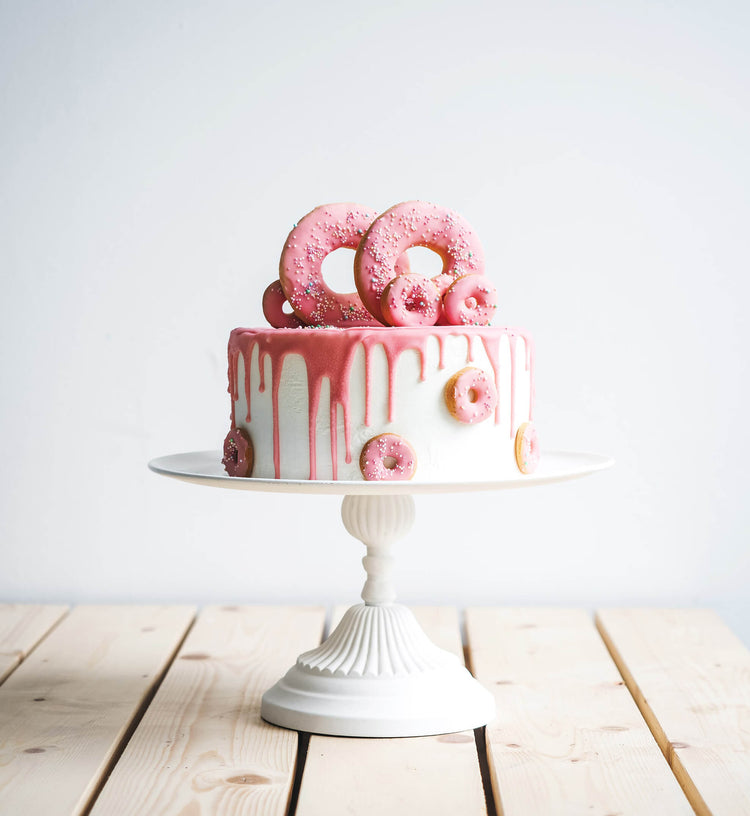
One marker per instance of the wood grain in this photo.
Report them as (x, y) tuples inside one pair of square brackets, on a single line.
[(398, 777), (568, 738), (691, 679), (65, 711), (22, 626), (201, 748)]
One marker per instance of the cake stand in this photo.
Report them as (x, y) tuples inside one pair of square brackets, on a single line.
[(377, 674)]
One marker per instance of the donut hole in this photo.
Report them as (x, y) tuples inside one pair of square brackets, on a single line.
[(337, 271), (414, 302), (471, 303), (286, 308), (473, 395), (234, 454), (424, 261), (390, 462)]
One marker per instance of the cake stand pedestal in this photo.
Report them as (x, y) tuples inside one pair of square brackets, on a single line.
[(377, 674)]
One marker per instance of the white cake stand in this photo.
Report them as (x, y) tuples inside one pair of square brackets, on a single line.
[(377, 674)]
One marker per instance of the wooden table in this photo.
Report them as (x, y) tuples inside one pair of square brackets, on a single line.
[(154, 710)]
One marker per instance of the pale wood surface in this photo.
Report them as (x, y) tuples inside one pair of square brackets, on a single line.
[(691, 679), (67, 707), (22, 626), (568, 738), (397, 777), (201, 747)]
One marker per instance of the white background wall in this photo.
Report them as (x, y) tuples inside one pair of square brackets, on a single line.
[(155, 155)]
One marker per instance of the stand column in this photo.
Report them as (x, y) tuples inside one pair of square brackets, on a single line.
[(378, 521), (378, 674)]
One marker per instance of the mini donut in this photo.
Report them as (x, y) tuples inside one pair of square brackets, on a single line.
[(387, 457), (527, 448), (470, 301), (411, 300), (410, 224), (239, 455), (319, 233), (273, 303), (470, 395)]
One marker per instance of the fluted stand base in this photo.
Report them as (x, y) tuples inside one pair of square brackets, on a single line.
[(378, 675)]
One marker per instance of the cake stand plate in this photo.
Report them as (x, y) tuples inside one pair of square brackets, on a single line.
[(377, 674), (204, 467)]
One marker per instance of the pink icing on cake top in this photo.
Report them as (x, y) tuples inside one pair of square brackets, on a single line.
[(331, 357)]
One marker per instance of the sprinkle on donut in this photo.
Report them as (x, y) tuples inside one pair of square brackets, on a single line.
[(274, 300), (411, 300), (387, 457), (239, 454), (470, 395), (411, 224), (470, 301), (527, 448), (319, 233)]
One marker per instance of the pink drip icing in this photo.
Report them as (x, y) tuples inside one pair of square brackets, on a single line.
[(492, 349), (530, 368), (334, 441), (441, 352), (276, 381), (368, 384), (332, 357), (512, 341), (247, 360), (313, 402), (232, 388)]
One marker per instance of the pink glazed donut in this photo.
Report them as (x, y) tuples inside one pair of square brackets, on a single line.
[(470, 395), (410, 224), (273, 303), (527, 448), (387, 457), (411, 300), (470, 301), (239, 454), (319, 233)]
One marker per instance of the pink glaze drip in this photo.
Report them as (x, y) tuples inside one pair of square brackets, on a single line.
[(332, 358), (248, 378), (492, 349), (512, 341)]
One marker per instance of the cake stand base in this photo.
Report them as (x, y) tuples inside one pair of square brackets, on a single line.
[(378, 675)]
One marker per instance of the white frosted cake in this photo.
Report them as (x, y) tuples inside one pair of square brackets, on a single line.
[(436, 396)]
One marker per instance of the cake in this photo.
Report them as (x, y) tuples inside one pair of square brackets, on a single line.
[(402, 379)]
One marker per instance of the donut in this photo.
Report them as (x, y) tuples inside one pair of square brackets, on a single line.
[(470, 301), (410, 224), (442, 281), (273, 303), (387, 457), (527, 448), (238, 453), (411, 300), (470, 395), (315, 236)]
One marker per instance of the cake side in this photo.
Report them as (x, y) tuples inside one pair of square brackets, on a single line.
[(445, 402)]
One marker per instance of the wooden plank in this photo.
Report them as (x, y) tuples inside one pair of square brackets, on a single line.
[(22, 626), (691, 679), (568, 738), (201, 747), (435, 775), (65, 711)]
